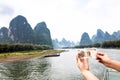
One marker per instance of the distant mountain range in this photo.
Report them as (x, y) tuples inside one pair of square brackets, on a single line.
[(20, 31), (63, 43), (99, 37)]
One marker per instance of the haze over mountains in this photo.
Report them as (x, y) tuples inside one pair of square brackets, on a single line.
[(20, 31), (99, 37)]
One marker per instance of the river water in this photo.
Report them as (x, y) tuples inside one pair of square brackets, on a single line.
[(53, 68)]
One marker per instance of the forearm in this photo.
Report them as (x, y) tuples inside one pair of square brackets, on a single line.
[(115, 65), (88, 75)]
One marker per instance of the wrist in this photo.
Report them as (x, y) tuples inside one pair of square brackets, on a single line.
[(88, 75), (85, 71), (110, 63)]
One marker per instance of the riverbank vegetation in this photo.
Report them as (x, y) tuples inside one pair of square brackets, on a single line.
[(14, 52), (22, 47), (105, 44)]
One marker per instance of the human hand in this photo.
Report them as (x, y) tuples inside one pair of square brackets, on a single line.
[(82, 63), (103, 58)]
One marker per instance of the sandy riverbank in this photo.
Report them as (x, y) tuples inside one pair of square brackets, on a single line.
[(28, 56), (17, 58)]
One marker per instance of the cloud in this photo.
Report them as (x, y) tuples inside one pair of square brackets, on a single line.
[(65, 17), (6, 10)]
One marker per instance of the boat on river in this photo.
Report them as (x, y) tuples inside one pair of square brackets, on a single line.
[(52, 55)]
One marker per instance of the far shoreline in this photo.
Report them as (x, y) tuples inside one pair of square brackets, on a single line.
[(11, 57)]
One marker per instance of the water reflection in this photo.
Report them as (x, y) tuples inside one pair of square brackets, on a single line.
[(52, 68)]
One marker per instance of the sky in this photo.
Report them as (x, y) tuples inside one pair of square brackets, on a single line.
[(67, 19)]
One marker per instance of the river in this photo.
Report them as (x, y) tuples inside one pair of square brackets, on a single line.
[(53, 68)]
